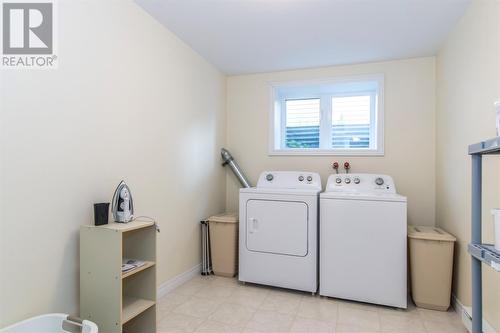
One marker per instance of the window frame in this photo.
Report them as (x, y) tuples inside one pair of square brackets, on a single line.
[(277, 119)]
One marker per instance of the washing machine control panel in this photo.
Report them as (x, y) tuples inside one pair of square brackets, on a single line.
[(361, 182), (290, 180)]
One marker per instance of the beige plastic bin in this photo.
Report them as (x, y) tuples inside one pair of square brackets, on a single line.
[(224, 243), (431, 266)]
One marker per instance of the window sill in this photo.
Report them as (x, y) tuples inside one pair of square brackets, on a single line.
[(324, 152)]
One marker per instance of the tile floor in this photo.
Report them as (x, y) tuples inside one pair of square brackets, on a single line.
[(216, 304)]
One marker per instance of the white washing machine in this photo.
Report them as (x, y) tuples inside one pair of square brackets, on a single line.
[(279, 229), (363, 240)]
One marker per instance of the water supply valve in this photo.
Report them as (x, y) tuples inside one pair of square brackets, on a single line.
[(347, 166), (335, 167)]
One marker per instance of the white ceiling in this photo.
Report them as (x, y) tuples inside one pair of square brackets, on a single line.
[(250, 36)]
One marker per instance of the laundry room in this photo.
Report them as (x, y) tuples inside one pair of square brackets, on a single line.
[(250, 166)]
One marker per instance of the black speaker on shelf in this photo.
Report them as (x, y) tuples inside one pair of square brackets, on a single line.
[(101, 213)]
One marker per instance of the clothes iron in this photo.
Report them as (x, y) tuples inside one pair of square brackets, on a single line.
[(122, 204)]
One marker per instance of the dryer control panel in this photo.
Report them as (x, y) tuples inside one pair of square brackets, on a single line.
[(290, 180), (361, 182)]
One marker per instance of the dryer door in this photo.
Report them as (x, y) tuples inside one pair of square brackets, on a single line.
[(278, 227)]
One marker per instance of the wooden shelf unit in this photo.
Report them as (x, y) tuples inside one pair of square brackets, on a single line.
[(118, 302)]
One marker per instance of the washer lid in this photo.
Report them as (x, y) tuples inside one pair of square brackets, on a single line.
[(363, 196)]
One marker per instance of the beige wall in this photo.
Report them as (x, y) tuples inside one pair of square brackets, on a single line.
[(129, 100), (468, 82), (409, 130)]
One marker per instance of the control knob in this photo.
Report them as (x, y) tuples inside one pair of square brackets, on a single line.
[(338, 180), (309, 178), (301, 178), (379, 181), (269, 177), (347, 180), (357, 180)]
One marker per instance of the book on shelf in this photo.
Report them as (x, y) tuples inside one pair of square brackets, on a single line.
[(131, 264)]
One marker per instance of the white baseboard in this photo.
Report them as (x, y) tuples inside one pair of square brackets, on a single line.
[(176, 281), (465, 312)]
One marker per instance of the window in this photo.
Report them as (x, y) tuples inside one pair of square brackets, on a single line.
[(338, 117), (302, 123), (351, 118)]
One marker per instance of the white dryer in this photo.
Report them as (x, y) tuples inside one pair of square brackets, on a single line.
[(363, 240), (279, 229)]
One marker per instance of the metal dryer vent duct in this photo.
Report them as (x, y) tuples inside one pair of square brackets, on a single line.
[(229, 160)]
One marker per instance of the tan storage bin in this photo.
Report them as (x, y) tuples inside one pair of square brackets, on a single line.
[(431, 266), (224, 243)]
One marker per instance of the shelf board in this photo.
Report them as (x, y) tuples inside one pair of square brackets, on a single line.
[(132, 307), (486, 253), (491, 146), (124, 227), (138, 269)]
